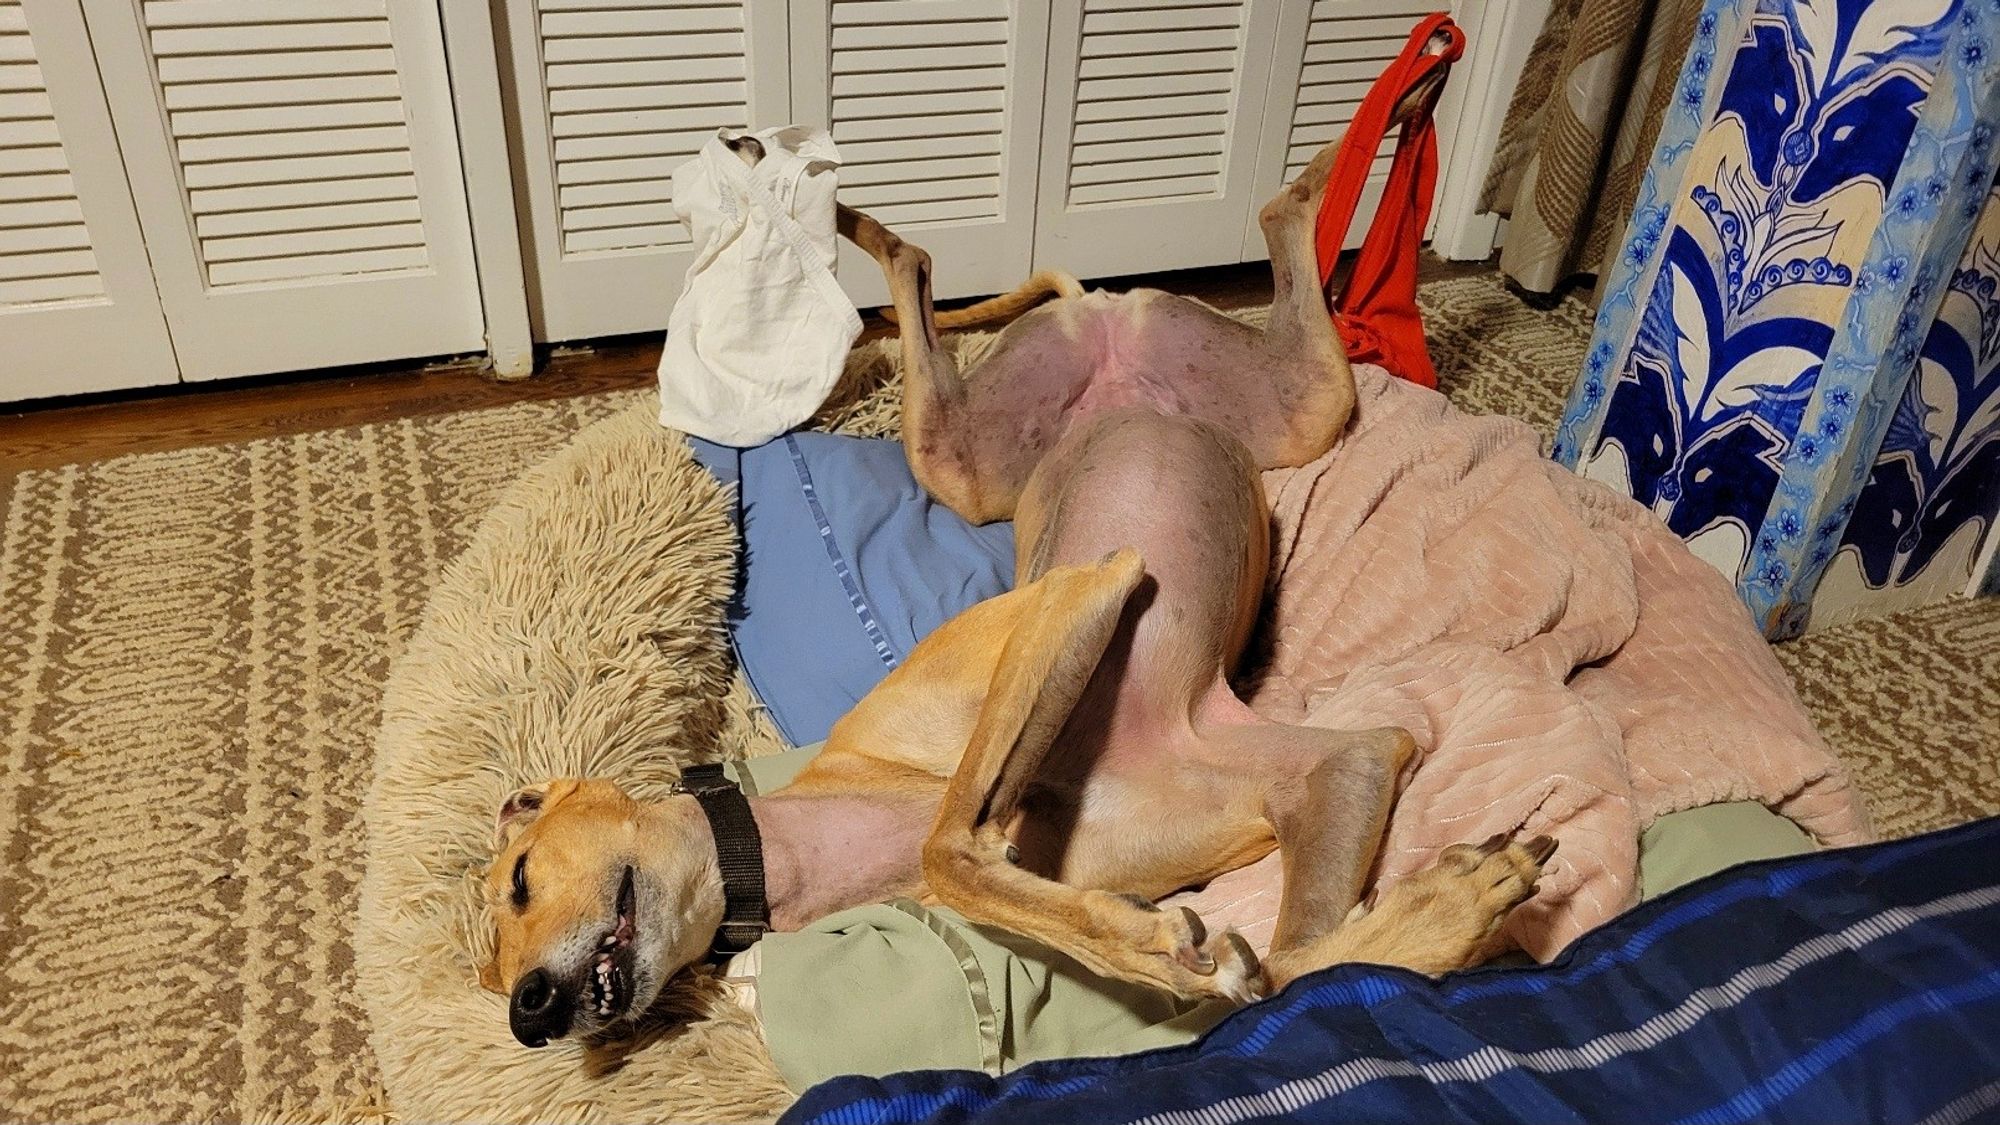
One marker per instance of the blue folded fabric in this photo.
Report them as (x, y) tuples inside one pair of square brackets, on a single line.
[(1846, 986), (847, 563)]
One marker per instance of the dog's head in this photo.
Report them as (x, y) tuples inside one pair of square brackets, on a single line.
[(599, 900)]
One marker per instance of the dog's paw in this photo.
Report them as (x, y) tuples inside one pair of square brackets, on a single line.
[(1449, 914), (1218, 967), (1501, 872), (1238, 976), (1184, 957), (1146, 926)]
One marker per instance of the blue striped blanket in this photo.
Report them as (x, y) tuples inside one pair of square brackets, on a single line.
[(1852, 986)]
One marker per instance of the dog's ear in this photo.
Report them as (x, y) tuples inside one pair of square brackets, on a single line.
[(526, 803), (520, 810)]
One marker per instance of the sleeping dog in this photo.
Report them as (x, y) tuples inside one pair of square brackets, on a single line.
[(1056, 759)]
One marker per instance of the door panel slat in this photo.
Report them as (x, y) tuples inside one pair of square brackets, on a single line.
[(280, 118), (854, 174), (224, 13), (329, 266), (290, 244), (303, 194), (23, 295), (53, 236), (295, 142), (324, 217), (275, 64), (857, 13), (41, 212), (259, 37), (635, 236), (644, 22)]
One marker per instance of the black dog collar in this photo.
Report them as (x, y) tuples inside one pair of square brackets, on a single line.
[(739, 850)]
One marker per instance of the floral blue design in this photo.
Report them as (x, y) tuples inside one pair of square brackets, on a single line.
[(1877, 351), (1772, 297), (1716, 381), (1938, 468), (1679, 129)]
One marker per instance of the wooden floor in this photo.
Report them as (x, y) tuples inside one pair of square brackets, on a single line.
[(65, 431)]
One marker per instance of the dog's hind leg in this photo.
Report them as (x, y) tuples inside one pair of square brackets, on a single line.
[(1301, 355), (975, 437), (1046, 663), (934, 398), (1305, 359), (1328, 804)]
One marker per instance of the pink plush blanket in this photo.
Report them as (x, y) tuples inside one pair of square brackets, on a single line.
[(1565, 664)]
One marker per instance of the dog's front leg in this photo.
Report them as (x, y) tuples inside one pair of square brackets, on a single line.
[(1443, 918), (1047, 662)]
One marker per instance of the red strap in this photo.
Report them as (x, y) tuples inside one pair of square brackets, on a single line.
[(1377, 312)]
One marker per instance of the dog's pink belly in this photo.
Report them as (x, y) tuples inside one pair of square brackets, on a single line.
[(1131, 365), (1121, 385), (1184, 495)]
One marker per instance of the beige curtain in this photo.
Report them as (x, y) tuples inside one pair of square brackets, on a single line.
[(1580, 130)]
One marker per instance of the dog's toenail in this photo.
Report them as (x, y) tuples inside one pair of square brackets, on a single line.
[(1197, 929), (1243, 952)]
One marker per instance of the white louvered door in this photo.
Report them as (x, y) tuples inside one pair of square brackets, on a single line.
[(1330, 52), (78, 312), (1152, 113), (295, 166), (936, 106), (606, 98)]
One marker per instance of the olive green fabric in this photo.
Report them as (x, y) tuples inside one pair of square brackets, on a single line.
[(898, 986), (1684, 846), (771, 772)]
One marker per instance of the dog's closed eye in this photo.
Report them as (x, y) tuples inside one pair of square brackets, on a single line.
[(520, 896)]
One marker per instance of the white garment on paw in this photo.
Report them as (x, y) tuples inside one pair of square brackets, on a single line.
[(762, 329)]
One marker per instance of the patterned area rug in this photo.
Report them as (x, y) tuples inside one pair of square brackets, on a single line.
[(192, 647)]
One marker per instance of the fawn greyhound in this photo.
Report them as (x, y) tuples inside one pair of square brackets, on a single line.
[(1054, 759)]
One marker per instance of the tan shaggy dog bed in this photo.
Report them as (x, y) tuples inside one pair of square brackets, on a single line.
[(579, 634)]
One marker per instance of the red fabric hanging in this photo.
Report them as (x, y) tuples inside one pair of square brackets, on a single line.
[(1377, 312)]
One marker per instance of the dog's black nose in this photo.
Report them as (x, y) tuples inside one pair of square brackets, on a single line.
[(539, 1011)]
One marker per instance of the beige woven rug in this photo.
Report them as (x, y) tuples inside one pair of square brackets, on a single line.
[(192, 647)]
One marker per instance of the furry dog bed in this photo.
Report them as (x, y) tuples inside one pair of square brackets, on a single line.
[(579, 633)]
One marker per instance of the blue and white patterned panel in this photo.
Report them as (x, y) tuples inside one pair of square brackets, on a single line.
[(1815, 113), (1941, 189), (1934, 489), (1777, 259)]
